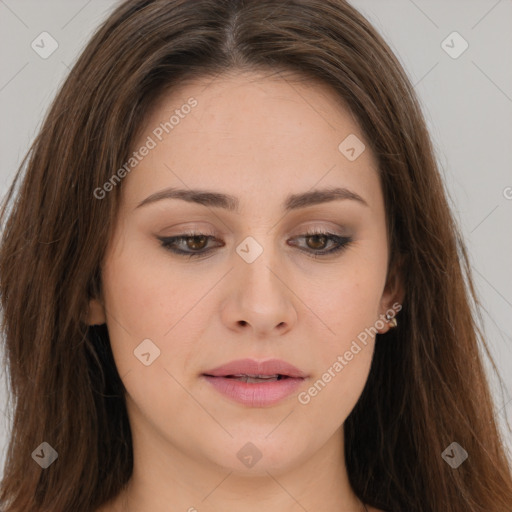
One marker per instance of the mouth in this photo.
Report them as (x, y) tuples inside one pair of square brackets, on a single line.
[(254, 379), (256, 384), (275, 369)]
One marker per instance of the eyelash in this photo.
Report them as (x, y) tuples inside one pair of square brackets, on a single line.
[(342, 243)]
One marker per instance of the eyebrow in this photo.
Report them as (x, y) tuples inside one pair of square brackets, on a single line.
[(231, 203)]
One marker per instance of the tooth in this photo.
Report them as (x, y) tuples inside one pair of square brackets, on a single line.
[(256, 380), (241, 375)]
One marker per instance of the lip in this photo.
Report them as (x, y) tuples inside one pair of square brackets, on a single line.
[(253, 367), (255, 394)]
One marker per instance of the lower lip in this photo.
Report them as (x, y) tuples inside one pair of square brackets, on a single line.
[(259, 394)]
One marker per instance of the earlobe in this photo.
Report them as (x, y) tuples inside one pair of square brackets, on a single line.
[(388, 319), (96, 314)]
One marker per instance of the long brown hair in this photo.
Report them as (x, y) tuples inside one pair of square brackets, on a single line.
[(427, 387)]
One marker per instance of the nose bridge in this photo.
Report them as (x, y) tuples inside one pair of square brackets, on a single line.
[(260, 277), (258, 261)]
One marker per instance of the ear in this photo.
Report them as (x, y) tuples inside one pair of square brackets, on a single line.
[(96, 314), (392, 296)]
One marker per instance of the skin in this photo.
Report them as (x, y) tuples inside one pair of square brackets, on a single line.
[(258, 138)]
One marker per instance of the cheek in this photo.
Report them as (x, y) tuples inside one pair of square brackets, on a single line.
[(348, 305), (343, 354), (333, 394), (148, 297), (348, 300), (143, 303)]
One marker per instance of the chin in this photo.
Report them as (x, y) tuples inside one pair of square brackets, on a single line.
[(257, 454)]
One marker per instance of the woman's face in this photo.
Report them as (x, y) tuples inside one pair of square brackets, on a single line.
[(253, 158)]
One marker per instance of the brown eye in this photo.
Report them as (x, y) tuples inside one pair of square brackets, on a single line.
[(188, 244), (317, 242), (196, 243)]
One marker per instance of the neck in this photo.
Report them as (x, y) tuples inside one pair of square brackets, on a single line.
[(165, 478)]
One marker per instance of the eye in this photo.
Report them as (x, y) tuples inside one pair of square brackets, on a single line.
[(319, 240), (194, 244)]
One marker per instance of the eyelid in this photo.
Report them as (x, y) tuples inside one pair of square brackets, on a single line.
[(319, 224), (341, 243), (307, 229)]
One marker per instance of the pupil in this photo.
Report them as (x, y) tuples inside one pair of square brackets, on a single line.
[(191, 240), (316, 238)]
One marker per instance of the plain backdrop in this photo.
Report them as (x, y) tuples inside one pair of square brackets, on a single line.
[(466, 97)]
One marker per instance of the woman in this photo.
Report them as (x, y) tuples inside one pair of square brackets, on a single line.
[(230, 278)]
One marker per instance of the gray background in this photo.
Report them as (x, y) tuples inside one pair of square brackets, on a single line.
[(467, 102)]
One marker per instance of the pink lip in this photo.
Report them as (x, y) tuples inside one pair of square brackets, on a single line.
[(252, 367), (256, 394)]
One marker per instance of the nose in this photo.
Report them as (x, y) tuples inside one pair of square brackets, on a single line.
[(260, 297)]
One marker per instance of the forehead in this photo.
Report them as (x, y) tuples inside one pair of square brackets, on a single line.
[(255, 103), (251, 131)]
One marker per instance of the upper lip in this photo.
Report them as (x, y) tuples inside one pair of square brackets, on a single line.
[(256, 368)]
